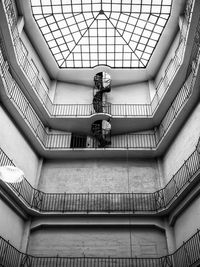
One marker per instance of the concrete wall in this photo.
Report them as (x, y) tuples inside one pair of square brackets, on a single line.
[(34, 56), (183, 145), (17, 148), (11, 225), (67, 93), (98, 241), (188, 222), (98, 175), (169, 56), (130, 94)]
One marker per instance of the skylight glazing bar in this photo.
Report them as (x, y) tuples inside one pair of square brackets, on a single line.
[(117, 33)]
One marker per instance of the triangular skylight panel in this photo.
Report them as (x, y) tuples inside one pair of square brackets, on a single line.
[(116, 33)]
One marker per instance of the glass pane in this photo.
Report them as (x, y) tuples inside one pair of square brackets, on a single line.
[(87, 33)]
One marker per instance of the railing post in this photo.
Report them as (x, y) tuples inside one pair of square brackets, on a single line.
[(37, 198), (25, 260), (188, 169), (19, 189), (198, 233), (198, 147), (57, 258), (36, 130), (25, 110), (109, 202), (160, 199), (129, 202), (20, 260), (5, 252), (133, 202), (174, 110), (63, 209), (88, 204), (167, 261), (147, 111), (175, 184), (186, 253), (156, 134), (127, 141)]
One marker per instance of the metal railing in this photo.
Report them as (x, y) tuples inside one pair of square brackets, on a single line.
[(149, 140), (178, 103), (185, 256), (54, 141), (108, 202), (61, 110)]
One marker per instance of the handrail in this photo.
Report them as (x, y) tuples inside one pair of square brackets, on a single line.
[(60, 110), (185, 256), (62, 141), (107, 202), (149, 140), (52, 141)]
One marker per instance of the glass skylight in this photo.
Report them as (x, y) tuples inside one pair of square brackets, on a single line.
[(88, 33)]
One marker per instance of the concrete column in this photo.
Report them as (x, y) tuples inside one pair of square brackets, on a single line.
[(52, 90), (152, 90), (182, 25), (38, 172), (198, 146), (25, 237), (170, 237), (161, 178), (20, 24), (181, 22)]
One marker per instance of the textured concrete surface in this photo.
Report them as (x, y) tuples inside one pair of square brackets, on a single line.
[(169, 56), (17, 148), (98, 241), (67, 93), (32, 55), (183, 145), (135, 93), (99, 176), (11, 225), (188, 222)]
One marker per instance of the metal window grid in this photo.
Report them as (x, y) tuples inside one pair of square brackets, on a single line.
[(116, 33)]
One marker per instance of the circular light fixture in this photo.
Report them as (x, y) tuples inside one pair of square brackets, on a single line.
[(11, 174)]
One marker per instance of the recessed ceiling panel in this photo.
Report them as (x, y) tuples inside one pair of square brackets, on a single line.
[(89, 33)]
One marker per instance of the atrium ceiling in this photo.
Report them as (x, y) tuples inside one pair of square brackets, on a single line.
[(127, 38), (115, 33)]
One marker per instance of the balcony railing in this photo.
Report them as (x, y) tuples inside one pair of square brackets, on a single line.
[(187, 255), (149, 140), (107, 202), (61, 110)]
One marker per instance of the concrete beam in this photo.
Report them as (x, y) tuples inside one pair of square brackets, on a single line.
[(20, 24)]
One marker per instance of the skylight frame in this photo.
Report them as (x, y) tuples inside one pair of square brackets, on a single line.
[(89, 33)]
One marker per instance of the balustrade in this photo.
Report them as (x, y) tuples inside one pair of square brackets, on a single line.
[(107, 202), (187, 255), (62, 141), (79, 109)]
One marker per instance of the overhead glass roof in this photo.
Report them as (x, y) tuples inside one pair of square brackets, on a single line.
[(88, 33)]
